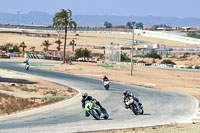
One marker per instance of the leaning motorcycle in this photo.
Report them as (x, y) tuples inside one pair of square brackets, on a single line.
[(94, 110), (106, 84), (135, 106)]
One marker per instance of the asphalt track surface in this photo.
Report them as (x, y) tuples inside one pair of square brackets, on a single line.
[(159, 107)]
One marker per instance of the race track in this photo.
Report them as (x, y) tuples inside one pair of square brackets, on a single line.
[(159, 107)]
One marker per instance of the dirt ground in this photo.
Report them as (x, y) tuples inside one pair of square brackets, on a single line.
[(181, 82), (20, 92), (84, 38)]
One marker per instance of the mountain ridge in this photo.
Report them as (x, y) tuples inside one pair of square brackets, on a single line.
[(43, 18)]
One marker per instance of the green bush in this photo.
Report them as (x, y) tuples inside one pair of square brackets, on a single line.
[(153, 54), (82, 53), (168, 62), (125, 57), (141, 61), (189, 67)]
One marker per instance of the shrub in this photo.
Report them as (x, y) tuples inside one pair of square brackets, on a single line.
[(141, 61), (153, 54), (82, 53), (189, 67), (168, 62), (125, 57)]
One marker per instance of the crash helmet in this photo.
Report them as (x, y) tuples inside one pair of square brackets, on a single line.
[(85, 95), (125, 92)]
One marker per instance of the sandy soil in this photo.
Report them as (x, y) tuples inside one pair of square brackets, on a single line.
[(181, 82), (21, 92), (82, 39)]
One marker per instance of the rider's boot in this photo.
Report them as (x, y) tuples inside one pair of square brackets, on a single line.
[(87, 114)]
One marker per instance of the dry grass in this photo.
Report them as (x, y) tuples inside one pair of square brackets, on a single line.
[(10, 104), (37, 41), (16, 97), (181, 82)]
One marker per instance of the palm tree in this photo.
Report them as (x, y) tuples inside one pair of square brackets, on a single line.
[(46, 43), (59, 43), (23, 45), (72, 43), (63, 20)]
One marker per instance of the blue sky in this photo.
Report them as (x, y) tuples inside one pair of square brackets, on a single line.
[(164, 8)]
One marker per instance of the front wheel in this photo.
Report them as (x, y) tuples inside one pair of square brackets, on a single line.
[(141, 111), (105, 114), (134, 109), (106, 87)]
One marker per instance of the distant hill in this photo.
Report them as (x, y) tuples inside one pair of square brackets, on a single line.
[(42, 18)]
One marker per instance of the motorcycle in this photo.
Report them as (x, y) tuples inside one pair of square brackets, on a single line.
[(94, 110), (27, 67), (135, 106), (106, 84)]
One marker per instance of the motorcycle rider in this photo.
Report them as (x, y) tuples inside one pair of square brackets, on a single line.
[(85, 98), (128, 95), (26, 61), (105, 78)]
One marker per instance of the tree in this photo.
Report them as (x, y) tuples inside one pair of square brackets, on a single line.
[(125, 57), (62, 20), (108, 25), (78, 53), (59, 43), (130, 24), (46, 43), (85, 53), (32, 48), (14, 48), (153, 54), (23, 45), (139, 25), (72, 43)]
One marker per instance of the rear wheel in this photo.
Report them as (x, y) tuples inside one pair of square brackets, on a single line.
[(95, 114)]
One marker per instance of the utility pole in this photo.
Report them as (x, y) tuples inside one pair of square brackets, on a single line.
[(133, 24)]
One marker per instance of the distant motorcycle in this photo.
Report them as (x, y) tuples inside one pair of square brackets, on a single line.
[(106, 84), (27, 67), (135, 106), (94, 110)]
